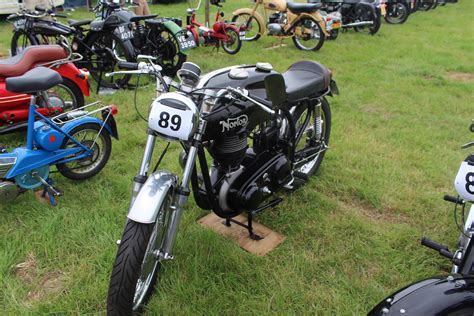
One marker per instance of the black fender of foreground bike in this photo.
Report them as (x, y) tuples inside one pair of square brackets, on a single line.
[(444, 295), (367, 6)]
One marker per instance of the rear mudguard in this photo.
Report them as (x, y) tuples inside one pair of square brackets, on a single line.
[(151, 196), (256, 16), (447, 295), (316, 16), (177, 31), (71, 72), (69, 126), (366, 6)]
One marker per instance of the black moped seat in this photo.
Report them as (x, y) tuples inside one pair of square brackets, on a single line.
[(351, 1), (303, 7), (35, 80), (142, 17), (75, 23), (305, 79)]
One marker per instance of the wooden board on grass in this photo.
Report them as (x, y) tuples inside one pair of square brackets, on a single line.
[(240, 235)]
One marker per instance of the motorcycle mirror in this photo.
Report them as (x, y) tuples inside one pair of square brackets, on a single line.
[(276, 89)]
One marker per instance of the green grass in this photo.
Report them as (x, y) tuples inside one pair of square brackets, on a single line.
[(352, 232)]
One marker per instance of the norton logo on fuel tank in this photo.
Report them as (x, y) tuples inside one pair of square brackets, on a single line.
[(234, 122)]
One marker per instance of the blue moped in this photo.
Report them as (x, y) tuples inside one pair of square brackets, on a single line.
[(77, 143)]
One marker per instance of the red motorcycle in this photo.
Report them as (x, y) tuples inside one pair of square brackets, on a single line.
[(224, 34), (67, 95)]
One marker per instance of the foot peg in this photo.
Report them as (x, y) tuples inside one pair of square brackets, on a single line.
[(2, 149)]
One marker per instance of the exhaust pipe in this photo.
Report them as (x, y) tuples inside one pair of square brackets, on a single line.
[(364, 23), (14, 128)]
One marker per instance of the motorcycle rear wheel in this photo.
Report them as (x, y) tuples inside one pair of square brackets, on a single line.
[(307, 140), (89, 135), (234, 43), (369, 16), (400, 14), (302, 41), (22, 40), (136, 269), (169, 56)]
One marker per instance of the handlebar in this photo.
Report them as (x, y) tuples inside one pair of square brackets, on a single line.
[(140, 68), (454, 199), (246, 95), (127, 65), (433, 245)]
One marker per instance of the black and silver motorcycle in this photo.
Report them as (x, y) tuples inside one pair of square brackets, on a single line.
[(265, 132), (452, 294), (361, 15), (397, 11)]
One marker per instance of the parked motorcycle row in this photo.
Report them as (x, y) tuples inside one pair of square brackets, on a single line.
[(265, 131)]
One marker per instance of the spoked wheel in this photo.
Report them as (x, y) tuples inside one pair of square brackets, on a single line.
[(92, 136), (397, 13), (138, 263), (66, 95), (425, 5), (308, 35), (309, 148), (365, 15), (106, 51), (21, 40), (168, 54), (253, 29), (233, 43)]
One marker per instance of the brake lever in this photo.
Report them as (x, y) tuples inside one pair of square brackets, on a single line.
[(128, 72)]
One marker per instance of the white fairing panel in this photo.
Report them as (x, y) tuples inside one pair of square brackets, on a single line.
[(464, 182)]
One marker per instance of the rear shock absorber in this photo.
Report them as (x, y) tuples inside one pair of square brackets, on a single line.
[(318, 128)]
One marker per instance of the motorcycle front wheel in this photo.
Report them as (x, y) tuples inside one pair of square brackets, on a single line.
[(308, 35), (137, 263), (167, 50), (21, 40), (253, 29), (365, 15), (92, 136), (397, 13), (233, 43), (307, 161)]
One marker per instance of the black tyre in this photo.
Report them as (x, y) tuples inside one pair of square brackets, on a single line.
[(309, 151), (368, 15), (425, 5), (308, 34), (136, 269), (21, 40), (253, 28), (106, 50), (333, 34), (397, 13), (66, 95), (92, 136), (166, 49), (234, 43)]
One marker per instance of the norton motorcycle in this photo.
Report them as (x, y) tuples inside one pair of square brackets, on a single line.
[(68, 94), (452, 294), (300, 21), (264, 132)]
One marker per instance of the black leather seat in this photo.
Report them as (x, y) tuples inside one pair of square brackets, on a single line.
[(142, 17), (306, 78), (75, 23), (303, 7), (36, 80), (351, 1)]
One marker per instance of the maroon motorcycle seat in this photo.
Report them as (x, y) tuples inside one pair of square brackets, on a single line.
[(21, 63)]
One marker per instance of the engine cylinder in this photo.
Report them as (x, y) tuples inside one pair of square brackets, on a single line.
[(229, 152)]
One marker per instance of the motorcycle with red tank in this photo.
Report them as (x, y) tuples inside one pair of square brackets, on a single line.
[(69, 94), (225, 34)]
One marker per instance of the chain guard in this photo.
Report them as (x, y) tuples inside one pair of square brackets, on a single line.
[(28, 181)]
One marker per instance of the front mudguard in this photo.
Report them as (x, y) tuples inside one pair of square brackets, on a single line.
[(448, 295), (255, 15), (176, 31), (148, 202)]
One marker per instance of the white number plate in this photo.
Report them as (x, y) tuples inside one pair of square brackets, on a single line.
[(170, 121), (464, 182), (242, 34), (186, 43), (19, 24), (124, 32)]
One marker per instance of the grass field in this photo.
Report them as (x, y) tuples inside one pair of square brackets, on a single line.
[(353, 231)]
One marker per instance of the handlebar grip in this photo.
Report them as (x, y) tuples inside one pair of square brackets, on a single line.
[(40, 8), (60, 15), (453, 199), (127, 65), (433, 245)]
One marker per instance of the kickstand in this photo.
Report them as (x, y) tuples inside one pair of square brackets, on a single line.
[(249, 225), (51, 191)]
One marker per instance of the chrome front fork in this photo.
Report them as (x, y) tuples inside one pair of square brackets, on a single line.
[(141, 177)]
